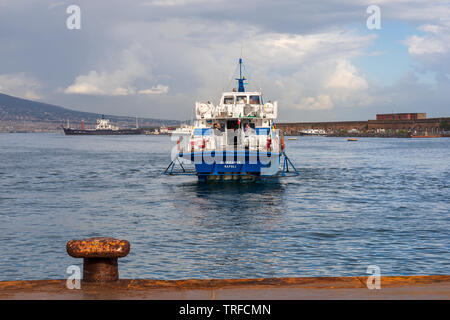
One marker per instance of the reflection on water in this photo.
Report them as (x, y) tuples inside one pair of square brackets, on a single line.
[(379, 201)]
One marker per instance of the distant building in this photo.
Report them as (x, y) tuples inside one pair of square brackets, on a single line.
[(401, 116)]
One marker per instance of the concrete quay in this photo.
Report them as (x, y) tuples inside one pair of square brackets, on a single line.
[(431, 287)]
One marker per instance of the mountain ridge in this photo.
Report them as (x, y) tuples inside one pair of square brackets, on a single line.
[(22, 115)]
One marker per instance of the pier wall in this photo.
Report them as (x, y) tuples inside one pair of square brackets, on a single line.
[(293, 128), (318, 288), (429, 126)]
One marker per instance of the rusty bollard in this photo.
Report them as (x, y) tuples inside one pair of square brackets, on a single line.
[(100, 256)]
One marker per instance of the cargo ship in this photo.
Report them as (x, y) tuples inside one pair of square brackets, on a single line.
[(103, 127)]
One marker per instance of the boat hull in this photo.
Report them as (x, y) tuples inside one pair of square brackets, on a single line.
[(71, 132), (236, 164)]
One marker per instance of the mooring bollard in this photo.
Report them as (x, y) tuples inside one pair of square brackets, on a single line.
[(100, 256)]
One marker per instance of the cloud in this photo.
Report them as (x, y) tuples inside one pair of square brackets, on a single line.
[(435, 41), (322, 102), (308, 56), (345, 77), (118, 82), (58, 4), (159, 89), (432, 48), (311, 72), (172, 3), (20, 85)]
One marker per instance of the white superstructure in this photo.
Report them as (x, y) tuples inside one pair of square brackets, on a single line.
[(104, 124)]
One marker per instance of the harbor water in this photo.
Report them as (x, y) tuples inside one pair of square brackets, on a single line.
[(376, 201)]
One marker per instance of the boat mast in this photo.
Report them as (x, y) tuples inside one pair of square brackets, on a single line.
[(241, 78)]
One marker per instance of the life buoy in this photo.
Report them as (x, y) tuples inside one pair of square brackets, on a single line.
[(201, 144), (282, 143), (203, 108)]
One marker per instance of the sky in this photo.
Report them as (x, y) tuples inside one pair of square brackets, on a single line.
[(156, 58)]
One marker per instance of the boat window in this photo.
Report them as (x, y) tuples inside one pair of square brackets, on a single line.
[(262, 131), (219, 127), (232, 124), (254, 100), (228, 100), (202, 132), (241, 99)]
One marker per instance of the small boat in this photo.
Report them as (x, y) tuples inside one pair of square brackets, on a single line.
[(292, 138), (425, 136), (352, 139), (313, 132), (236, 140)]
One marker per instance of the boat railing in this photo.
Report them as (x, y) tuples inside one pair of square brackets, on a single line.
[(230, 140), (237, 111)]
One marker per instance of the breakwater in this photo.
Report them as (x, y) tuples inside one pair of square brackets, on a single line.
[(372, 128)]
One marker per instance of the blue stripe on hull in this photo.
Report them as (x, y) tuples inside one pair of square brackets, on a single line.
[(242, 162)]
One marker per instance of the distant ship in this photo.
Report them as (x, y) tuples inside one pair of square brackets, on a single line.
[(103, 127)]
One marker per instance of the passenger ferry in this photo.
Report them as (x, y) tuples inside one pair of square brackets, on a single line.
[(234, 140)]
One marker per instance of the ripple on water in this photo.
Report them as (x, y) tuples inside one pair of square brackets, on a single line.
[(381, 202)]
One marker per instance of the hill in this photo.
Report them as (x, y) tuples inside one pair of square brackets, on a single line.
[(21, 115)]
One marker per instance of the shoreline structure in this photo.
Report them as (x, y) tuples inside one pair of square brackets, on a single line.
[(395, 125), (325, 288)]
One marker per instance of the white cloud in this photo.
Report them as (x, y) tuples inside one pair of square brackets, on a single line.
[(432, 49), (430, 28), (311, 72), (159, 89), (322, 102), (119, 82), (20, 85), (345, 77), (435, 41), (105, 83)]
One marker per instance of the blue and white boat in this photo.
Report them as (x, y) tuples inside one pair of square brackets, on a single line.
[(236, 139)]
